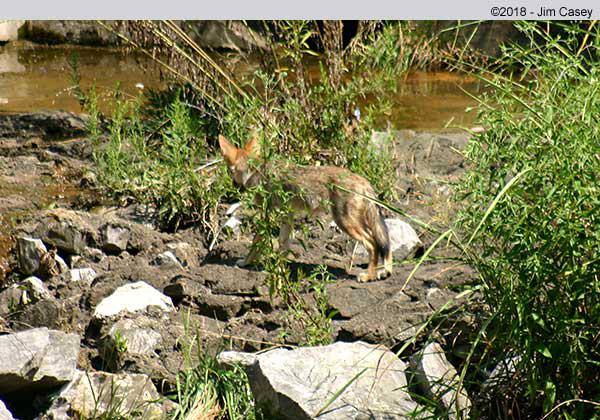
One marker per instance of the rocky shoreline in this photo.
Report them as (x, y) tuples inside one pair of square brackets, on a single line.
[(94, 294)]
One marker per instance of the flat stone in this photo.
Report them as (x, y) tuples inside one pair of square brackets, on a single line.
[(132, 297), (86, 275), (303, 383), (107, 395), (390, 322), (37, 359)]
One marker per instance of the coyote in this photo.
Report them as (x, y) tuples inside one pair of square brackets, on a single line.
[(316, 190)]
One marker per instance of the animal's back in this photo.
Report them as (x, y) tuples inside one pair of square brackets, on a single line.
[(316, 186)]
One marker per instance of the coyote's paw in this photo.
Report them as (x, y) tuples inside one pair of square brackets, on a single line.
[(363, 277), (383, 274)]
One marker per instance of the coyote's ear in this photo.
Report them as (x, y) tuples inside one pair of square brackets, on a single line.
[(253, 147), (228, 150)]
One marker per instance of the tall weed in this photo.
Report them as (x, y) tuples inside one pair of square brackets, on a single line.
[(536, 241)]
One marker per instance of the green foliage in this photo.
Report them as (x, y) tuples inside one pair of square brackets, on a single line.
[(163, 163), (537, 246), (206, 389)]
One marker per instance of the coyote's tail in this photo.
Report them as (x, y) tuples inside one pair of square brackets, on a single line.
[(377, 226)]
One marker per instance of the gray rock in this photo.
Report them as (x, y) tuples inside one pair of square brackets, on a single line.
[(233, 224), (47, 125), (185, 253), (133, 338), (167, 258), (503, 373), (86, 275), (231, 358), (63, 235), (115, 238), (439, 381), (36, 289), (389, 322), (37, 359), (29, 253), (4, 413), (106, 395), (11, 299), (132, 297), (404, 240), (298, 384), (351, 298)]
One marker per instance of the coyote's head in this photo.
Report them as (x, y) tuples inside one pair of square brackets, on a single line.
[(238, 161)]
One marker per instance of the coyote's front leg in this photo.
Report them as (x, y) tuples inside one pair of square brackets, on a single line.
[(251, 257)]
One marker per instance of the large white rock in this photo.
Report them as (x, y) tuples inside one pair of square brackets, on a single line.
[(299, 384), (4, 413), (439, 381), (36, 359), (132, 297), (403, 239), (106, 395)]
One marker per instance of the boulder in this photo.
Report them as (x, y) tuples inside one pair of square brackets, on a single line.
[(388, 322), (114, 238), (37, 359), (63, 235), (30, 252), (127, 335), (132, 297), (303, 383), (11, 299), (439, 381), (4, 413), (30, 290), (106, 395), (404, 241)]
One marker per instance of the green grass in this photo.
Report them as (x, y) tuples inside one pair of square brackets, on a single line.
[(207, 390), (532, 213)]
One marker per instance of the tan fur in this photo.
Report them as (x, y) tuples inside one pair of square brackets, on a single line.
[(316, 192)]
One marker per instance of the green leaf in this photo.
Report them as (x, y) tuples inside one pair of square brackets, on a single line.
[(549, 395), (544, 351)]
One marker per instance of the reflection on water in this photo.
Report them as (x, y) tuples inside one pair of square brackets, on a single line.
[(431, 100), (34, 77)]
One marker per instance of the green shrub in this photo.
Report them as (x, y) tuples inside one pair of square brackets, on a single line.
[(532, 210)]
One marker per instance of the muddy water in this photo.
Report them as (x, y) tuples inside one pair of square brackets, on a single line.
[(34, 78)]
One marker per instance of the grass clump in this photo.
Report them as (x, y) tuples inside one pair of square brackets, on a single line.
[(207, 390), (537, 245)]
